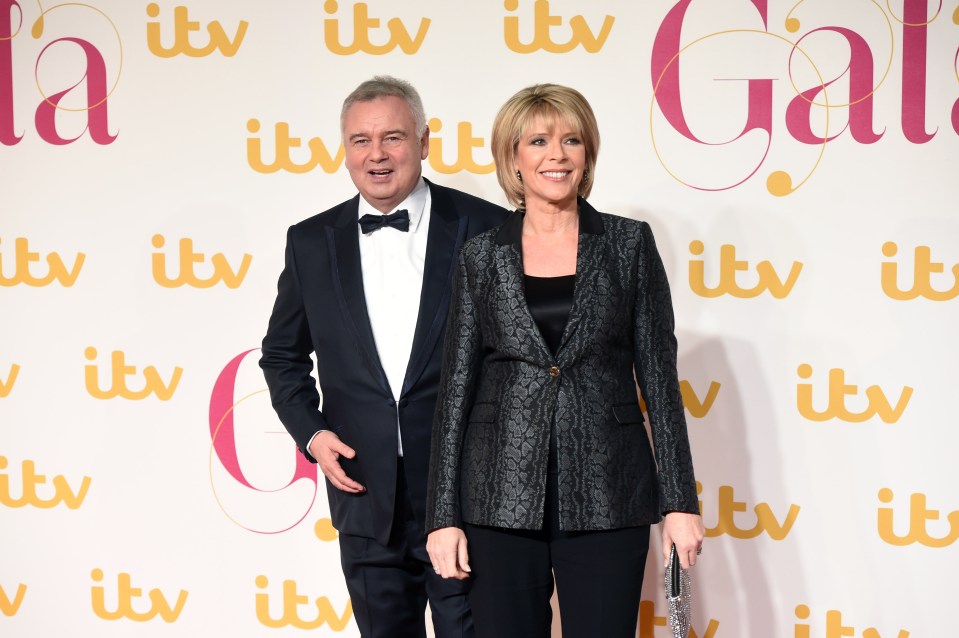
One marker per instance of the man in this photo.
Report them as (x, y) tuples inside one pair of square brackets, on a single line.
[(366, 287)]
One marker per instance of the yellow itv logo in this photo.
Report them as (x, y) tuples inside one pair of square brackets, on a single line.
[(363, 28), (24, 272), (763, 518), (183, 27), (223, 271), (766, 277), (30, 481), (838, 390), (923, 269), (129, 598), (322, 612), (120, 373), (544, 25), (919, 515), (9, 607), (834, 627), (6, 385)]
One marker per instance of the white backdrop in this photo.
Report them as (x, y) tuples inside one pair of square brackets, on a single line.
[(154, 154)]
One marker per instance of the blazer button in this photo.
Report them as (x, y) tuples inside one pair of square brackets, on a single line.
[(554, 372), (391, 403)]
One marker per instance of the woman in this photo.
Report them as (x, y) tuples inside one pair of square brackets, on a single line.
[(540, 463)]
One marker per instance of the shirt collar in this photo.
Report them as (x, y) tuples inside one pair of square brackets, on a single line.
[(415, 205)]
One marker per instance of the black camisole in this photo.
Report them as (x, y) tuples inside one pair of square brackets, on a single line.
[(550, 300)]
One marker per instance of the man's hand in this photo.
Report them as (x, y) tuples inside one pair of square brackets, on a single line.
[(447, 549), (327, 448)]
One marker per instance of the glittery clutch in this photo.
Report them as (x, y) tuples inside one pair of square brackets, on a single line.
[(678, 596)]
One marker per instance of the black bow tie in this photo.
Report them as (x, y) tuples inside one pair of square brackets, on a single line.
[(400, 220)]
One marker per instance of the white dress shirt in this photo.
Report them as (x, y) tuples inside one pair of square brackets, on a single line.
[(392, 264)]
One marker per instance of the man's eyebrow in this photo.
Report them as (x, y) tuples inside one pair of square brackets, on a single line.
[(399, 131)]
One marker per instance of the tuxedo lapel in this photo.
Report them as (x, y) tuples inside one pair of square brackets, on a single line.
[(446, 234), (344, 249)]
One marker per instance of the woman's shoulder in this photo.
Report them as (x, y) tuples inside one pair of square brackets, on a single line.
[(619, 224), (625, 234), (478, 250)]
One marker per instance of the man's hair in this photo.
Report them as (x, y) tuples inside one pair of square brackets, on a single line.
[(387, 86)]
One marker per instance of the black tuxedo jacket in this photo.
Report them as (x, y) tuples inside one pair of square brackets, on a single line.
[(320, 307), (502, 389)]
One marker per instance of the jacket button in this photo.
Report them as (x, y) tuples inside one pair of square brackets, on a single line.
[(391, 403), (554, 372)]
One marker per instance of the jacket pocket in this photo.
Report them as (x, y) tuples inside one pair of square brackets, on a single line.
[(627, 413), (483, 413)]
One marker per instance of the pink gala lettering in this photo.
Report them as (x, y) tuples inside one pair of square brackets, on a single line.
[(8, 135), (96, 77), (223, 435), (914, 41), (665, 66), (861, 90)]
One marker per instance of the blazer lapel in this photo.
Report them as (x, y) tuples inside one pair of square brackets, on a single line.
[(589, 265), (446, 234), (510, 261), (344, 249)]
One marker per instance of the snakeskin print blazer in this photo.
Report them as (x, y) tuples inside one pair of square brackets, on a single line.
[(502, 388)]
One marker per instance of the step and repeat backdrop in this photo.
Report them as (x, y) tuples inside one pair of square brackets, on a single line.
[(797, 161)]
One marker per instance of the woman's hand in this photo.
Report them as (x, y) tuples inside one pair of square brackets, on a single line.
[(686, 532), (447, 549)]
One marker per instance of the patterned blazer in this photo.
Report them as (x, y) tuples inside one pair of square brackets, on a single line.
[(501, 389)]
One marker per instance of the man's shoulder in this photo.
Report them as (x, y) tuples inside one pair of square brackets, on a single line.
[(330, 217), (470, 205)]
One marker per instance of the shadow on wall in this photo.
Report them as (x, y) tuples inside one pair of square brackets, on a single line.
[(735, 444)]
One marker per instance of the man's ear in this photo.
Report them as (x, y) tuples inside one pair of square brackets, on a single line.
[(425, 144)]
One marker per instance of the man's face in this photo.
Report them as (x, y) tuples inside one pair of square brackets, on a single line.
[(383, 151)]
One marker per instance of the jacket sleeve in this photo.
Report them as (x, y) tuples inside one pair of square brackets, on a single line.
[(655, 361), (461, 362), (286, 361)]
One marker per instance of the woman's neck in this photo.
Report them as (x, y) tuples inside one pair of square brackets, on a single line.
[(548, 218)]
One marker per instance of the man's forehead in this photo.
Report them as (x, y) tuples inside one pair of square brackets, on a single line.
[(380, 106)]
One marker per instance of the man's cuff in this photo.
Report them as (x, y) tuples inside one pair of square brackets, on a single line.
[(310, 442)]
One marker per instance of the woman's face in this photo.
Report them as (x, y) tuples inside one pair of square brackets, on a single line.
[(551, 163)]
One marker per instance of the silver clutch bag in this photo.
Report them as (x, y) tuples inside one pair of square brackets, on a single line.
[(678, 596)]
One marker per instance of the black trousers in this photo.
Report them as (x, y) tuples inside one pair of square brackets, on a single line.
[(389, 585), (598, 575)]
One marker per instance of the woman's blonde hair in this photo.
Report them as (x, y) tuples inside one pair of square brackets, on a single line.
[(553, 103)]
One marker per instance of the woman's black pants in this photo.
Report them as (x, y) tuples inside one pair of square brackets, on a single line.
[(599, 578)]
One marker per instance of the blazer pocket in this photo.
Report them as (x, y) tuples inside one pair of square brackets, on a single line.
[(483, 413), (627, 413)]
